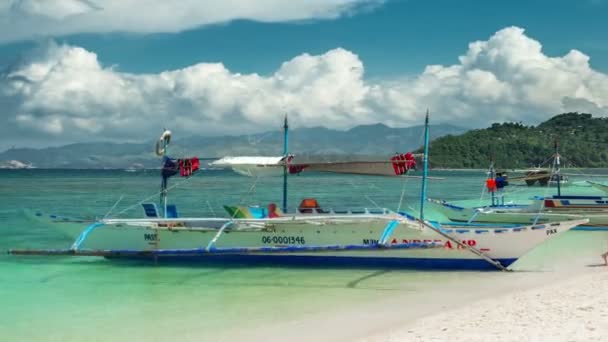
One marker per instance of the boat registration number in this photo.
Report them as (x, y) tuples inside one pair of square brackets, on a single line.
[(150, 237), (287, 240)]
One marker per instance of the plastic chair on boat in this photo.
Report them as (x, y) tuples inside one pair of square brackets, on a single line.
[(171, 211), (258, 212), (150, 210)]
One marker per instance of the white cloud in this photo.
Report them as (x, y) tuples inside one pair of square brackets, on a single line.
[(64, 92), (26, 19)]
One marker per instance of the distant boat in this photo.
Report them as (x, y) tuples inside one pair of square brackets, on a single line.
[(542, 177), (15, 164), (543, 209), (134, 168)]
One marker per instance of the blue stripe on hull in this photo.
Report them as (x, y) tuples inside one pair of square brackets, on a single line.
[(323, 261), (591, 228), (575, 197)]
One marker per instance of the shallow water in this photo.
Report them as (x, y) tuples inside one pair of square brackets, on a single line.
[(89, 298)]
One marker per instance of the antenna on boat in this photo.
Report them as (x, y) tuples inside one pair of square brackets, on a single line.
[(425, 165), (557, 170), (285, 160)]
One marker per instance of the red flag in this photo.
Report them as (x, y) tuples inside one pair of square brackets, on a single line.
[(188, 166)]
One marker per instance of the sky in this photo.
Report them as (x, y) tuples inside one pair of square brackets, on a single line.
[(122, 70)]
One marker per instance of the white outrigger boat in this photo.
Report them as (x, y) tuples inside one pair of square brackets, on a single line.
[(599, 186), (377, 237), (541, 209)]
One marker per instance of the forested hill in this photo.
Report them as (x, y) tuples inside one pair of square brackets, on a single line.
[(583, 142)]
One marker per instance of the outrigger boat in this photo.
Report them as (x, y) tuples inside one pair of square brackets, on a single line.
[(599, 186), (542, 177), (377, 237), (541, 209)]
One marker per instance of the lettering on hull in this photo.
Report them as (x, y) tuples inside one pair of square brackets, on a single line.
[(150, 237), (446, 243), (284, 240)]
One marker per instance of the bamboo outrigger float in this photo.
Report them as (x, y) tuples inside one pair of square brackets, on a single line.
[(372, 237)]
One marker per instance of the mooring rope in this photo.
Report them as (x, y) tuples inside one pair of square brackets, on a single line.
[(156, 194), (114, 206)]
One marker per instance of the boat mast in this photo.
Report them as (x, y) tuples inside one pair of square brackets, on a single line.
[(557, 170), (425, 165), (492, 176), (285, 151), (163, 186)]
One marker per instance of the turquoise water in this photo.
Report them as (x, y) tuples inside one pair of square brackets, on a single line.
[(95, 299)]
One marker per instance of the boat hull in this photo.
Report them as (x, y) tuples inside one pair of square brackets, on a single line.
[(505, 245), (338, 261), (523, 214)]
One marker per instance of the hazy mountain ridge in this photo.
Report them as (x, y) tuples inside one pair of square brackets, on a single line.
[(368, 140)]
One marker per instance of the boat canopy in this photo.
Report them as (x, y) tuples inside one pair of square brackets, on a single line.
[(247, 160), (397, 165)]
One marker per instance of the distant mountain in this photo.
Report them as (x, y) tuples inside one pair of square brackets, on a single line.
[(367, 140), (583, 142)]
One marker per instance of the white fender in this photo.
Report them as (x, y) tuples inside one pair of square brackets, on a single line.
[(162, 142)]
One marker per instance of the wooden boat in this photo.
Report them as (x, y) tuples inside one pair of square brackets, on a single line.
[(541, 177)]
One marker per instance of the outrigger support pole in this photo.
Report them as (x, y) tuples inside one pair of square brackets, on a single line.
[(217, 236), (83, 236), (388, 231)]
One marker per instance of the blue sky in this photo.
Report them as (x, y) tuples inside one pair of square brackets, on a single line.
[(392, 41), (400, 36)]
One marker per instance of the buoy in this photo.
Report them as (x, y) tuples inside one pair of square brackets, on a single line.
[(163, 142)]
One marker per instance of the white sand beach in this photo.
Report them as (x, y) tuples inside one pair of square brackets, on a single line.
[(571, 310), (553, 295), (520, 306)]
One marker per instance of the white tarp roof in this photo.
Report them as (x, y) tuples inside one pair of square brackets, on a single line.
[(247, 160)]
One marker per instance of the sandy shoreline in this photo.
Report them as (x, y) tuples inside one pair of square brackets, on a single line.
[(575, 309), (493, 306), (551, 296)]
